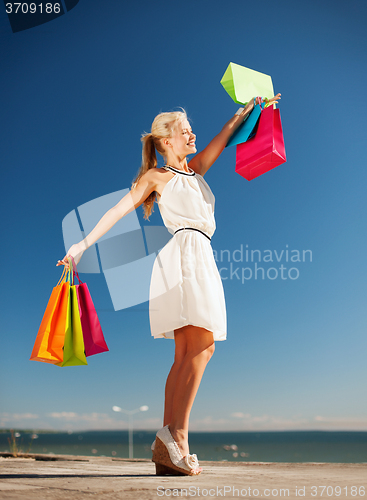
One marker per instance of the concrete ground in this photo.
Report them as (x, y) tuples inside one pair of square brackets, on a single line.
[(46, 477)]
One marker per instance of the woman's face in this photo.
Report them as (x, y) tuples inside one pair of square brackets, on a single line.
[(182, 141)]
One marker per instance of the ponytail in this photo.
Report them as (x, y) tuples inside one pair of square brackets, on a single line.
[(149, 160)]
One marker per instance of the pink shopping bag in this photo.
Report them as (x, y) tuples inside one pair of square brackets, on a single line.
[(94, 342), (265, 150)]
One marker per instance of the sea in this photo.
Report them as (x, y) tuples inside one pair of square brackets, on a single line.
[(278, 446)]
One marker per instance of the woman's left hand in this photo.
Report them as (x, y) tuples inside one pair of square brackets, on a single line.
[(274, 100)]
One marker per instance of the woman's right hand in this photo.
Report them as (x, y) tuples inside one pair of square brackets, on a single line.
[(76, 251)]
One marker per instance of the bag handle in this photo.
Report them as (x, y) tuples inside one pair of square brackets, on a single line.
[(63, 277), (75, 271), (258, 100), (70, 273)]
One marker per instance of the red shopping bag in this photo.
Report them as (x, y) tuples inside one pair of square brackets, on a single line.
[(265, 150), (94, 342)]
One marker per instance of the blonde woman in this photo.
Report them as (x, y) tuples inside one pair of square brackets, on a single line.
[(186, 295)]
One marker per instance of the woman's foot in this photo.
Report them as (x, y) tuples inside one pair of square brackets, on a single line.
[(168, 454), (181, 439)]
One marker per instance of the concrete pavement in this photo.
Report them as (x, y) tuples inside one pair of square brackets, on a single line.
[(46, 477)]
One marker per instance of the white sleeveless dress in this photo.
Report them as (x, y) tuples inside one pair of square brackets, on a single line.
[(185, 287)]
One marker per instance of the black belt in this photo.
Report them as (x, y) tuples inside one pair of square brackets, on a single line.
[(192, 229)]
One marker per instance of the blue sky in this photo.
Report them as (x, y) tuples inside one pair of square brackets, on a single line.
[(77, 93)]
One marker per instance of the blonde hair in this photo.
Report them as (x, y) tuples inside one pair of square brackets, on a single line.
[(162, 127)]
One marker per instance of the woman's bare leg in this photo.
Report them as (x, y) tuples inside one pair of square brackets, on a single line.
[(180, 352), (187, 376)]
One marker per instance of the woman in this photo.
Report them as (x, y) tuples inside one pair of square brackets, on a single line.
[(186, 293)]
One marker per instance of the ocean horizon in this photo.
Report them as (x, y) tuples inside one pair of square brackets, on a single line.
[(249, 446)]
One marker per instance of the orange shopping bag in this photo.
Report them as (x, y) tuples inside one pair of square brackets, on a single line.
[(49, 343)]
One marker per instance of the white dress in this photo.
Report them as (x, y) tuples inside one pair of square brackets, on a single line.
[(185, 287)]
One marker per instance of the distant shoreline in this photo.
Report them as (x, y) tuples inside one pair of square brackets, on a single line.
[(257, 446)]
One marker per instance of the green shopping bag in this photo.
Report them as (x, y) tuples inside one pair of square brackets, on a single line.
[(73, 344), (242, 84)]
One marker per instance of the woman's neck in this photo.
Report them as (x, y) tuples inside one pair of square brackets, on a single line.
[(178, 163)]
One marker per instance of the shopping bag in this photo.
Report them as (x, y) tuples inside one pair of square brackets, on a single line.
[(242, 84), (73, 350), (94, 341), (50, 338), (60, 325), (247, 129), (265, 150)]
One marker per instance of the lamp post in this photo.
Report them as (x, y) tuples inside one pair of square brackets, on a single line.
[(130, 413)]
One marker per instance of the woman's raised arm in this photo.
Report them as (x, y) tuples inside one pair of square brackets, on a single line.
[(205, 159), (127, 204)]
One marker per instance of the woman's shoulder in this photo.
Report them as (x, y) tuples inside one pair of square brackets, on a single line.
[(155, 177), (195, 166), (153, 174)]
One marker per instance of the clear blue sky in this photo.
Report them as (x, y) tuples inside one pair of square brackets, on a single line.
[(77, 93)]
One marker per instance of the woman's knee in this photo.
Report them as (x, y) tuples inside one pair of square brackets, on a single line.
[(204, 352), (200, 342), (209, 351)]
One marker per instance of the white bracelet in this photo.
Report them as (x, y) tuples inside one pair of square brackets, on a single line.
[(239, 111)]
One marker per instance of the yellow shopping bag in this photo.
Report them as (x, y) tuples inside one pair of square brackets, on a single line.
[(73, 351)]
